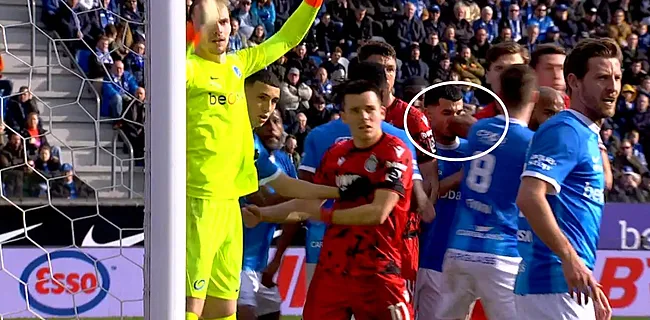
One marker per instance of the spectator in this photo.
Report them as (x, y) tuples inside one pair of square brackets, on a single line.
[(367, 5), (339, 11), (278, 68), (116, 89), (548, 63), (265, 11), (637, 149), (387, 11), (12, 154), (123, 41), (618, 29), (479, 45), (321, 84), (553, 37), (134, 17), (644, 36), (433, 25), (443, 70), (531, 40), (409, 31), (591, 23), (317, 114), (283, 9), (467, 67), (634, 73), (414, 67), (612, 143), (293, 95), (134, 62), (300, 129), (543, 21), (333, 64), (258, 36), (514, 22), (412, 87), (505, 35), (72, 24), (247, 19), (290, 144), (237, 39), (627, 189), (462, 27), (35, 136), (486, 23), (327, 34), (101, 61), (6, 86), (357, 30), (568, 28), (70, 187), (626, 158), (133, 126), (632, 52), (299, 59), (18, 108), (106, 14), (448, 42), (47, 164)]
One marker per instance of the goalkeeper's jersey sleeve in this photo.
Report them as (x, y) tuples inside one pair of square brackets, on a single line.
[(220, 151)]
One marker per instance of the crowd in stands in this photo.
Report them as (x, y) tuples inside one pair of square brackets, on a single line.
[(441, 40), (436, 40)]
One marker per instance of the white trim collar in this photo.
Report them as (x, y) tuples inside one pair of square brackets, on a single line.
[(453, 146), (513, 120), (587, 122)]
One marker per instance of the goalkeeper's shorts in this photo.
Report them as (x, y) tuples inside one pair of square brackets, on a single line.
[(214, 248)]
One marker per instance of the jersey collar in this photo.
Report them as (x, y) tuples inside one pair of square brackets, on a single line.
[(590, 124), (453, 146), (513, 120)]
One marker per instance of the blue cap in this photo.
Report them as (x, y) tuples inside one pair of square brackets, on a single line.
[(554, 29), (434, 8), (562, 7), (66, 167), (628, 170)]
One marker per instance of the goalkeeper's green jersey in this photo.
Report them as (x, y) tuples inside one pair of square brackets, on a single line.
[(220, 151)]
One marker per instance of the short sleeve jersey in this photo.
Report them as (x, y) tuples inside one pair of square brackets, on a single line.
[(565, 153), (418, 127), (488, 217), (267, 168), (220, 153), (434, 236), (367, 250), (318, 141)]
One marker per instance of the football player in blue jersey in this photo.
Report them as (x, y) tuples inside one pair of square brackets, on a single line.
[(562, 192), (482, 258), (259, 297), (442, 104), (318, 142)]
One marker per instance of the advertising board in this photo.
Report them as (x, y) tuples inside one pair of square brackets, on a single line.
[(107, 282), (625, 226)]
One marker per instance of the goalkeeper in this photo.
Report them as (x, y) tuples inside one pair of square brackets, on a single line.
[(220, 153)]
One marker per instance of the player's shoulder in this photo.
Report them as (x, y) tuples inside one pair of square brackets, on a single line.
[(562, 123), (340, 147), (392, 147)]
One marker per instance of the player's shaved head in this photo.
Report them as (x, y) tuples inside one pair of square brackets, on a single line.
[(519, 83), (549, 103)]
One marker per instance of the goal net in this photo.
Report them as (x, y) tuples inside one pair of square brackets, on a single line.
[(77, 238)]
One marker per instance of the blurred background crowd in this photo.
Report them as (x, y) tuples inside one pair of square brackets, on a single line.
[(435, 40)]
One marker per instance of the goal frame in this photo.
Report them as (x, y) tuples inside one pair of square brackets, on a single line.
[(164, 271)]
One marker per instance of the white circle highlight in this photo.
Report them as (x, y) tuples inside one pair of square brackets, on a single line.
[(462, 83)]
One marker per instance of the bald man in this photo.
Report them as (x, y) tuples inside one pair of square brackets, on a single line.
[(549, 103)]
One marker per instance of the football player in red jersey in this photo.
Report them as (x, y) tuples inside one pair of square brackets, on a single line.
[(358, 273), (419, 129)]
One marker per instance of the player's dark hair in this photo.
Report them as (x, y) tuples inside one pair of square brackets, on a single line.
[(359, 87), (416, 82), (521, 82), (368, 71), (376, 48), (577, 62), (542, 50), (504, 48), (264, 76), (448, 92)]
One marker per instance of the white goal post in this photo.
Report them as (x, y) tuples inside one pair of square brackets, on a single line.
[(164, 295)]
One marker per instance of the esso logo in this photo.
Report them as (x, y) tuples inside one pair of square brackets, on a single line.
[(73, 273)]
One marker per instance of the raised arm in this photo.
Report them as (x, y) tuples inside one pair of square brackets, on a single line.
[(292, 32)]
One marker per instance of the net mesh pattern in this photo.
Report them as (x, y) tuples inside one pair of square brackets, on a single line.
[(94, 268)]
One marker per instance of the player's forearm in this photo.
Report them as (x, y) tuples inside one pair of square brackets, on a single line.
[(367, 214), (538, 212), (289, 230), (294, 188), (429, 172), (419, 195), (451, 182), (291, 211)]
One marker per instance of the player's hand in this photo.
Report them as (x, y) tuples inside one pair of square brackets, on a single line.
[(601, 305), (251, 215), (426, 210), (360, 187), (269, 273), (580, 280)]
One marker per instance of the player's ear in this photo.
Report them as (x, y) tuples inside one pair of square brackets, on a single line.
[(382, 111), (534, 98), (572, 82)]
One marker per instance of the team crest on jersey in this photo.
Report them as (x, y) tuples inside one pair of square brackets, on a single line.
[(371, 164), (237, 71)]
